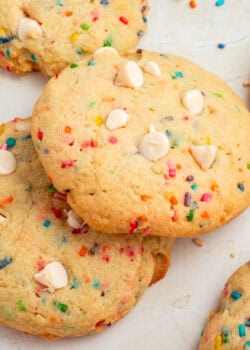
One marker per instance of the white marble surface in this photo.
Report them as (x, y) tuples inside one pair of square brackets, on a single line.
[(172, 313)]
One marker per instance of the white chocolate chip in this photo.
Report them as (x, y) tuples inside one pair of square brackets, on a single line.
[(7, 162), (24, 126), (130, 75), (73, 220), (204, 155), (152, 68), (53, 276), (117, 119), (3, 219), (193, 100), (104, 50), (154, 145), (28, 28)]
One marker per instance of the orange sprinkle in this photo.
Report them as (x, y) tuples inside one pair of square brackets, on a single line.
[(205, 215), (144, 197), (68, 13), (214, 186), (240, 170), (6, 201), (83, 251), (178, 166), (53, 319), (44, 108), (198, 242), (142, 218), (68, 129), (173, 200), (86, 278), (193, 4), (105, 247), (108, 99)]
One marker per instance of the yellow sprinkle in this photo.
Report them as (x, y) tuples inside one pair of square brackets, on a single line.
[(120, 6), (98, 120), (2, 128), (208, 140), (74, 36), (218, 343), (2, 32)]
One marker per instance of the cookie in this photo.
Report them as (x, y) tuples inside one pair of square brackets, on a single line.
[(149, 143), (58, 277), (229, 328), (48, 35)]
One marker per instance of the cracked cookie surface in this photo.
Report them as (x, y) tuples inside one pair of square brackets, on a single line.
[(58, 277)]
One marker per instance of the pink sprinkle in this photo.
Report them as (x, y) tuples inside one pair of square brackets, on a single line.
[(206, 197), (39, 289), (175, 217), (133, 227), (147, 231), (61, 196), (171, 169), (40, 264), (106, 258), (130, 252), (113, 140), (185, 118), (95, 15), (4, 146), (88, 143), (15, 119), (67, 164)]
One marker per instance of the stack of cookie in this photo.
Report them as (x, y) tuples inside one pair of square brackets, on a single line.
[(131, 149)]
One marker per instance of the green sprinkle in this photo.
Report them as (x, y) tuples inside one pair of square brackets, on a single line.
[(217, 94), (194, 187), (8, 53), (60, 306), (108, 42), (75, 284), (11, 141), (29, 188), (92, 104), (241, 330), (235, 295), (190, 215), (7, 312), (21, 305), (84, 26), (33, 57), (47, 223), (248, 166), (52, 188), (73, 65)]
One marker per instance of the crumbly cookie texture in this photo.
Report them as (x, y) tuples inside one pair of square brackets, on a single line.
[(167, 154), (58, 277), (48, 35), (229, 328)]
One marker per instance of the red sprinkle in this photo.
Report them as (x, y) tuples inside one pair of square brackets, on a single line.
[(133, 227), (40, 264), (106, 258), (57, 212), (175, 217), (40, 135), (67, 164), (113, 140), (123, 20), (100, 323), (88, 143)]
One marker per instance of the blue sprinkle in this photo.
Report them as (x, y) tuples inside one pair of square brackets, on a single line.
[(247, 323), (59, 2), (8, 53), (169, 133), (140, 33), (6, 261), (64, 240), (11, 141), (5, 40), (177, 75), (241, 187), (104, 2), (247, 344), (235, 295), (221, 46), (75, 284), (194, 187), (96, 284), (144, 19), (91, 63), (219, 3), (47, 223), (79, 51), (225, 331), (33, 57), (242, 330)]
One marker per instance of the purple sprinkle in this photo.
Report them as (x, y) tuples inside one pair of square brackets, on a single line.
[(187, 199), (139, 51), (94, 249), (169, 118), (190, 178), (46, 151), (144, 8)]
